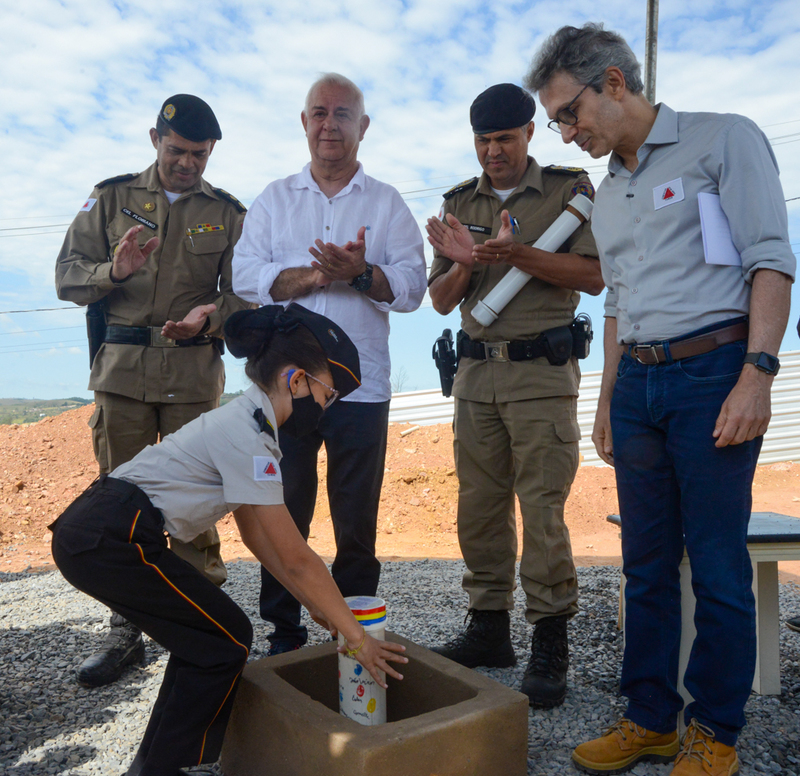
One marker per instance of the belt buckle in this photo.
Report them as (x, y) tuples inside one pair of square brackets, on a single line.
[(158, 340), (496, 351), (645, 348)]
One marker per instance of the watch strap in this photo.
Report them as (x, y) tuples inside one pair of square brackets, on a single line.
[(764, 362)]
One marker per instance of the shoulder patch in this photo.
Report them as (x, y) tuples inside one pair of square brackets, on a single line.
[(573, 172), (585, 188), (463, 186), (118, 179), (230, 198)]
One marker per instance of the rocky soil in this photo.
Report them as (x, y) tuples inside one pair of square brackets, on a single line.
[(44, 465)]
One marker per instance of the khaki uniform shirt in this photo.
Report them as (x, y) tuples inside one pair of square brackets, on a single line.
[(186, 270), (211, 466), (539, 199)]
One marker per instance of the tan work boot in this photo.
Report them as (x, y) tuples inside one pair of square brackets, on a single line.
[(623, 745), (703, 755)]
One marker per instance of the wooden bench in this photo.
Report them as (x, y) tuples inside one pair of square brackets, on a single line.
[(770, 538)]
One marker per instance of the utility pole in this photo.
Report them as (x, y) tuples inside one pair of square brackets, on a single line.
[(650, 49)]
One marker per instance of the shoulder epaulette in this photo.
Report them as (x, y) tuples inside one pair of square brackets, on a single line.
[(573, 172), (463, 186), (230, 198), (117, 179), (263, 424)]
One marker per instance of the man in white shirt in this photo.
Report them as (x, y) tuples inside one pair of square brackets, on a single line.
[(366, 259)]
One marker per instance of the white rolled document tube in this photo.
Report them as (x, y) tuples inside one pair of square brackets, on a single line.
[(577, 212)]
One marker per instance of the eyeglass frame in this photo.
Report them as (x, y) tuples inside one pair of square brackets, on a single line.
[(555, 124), (334, 393)]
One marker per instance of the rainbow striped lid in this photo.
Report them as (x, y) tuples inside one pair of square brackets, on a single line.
[(367, 610)]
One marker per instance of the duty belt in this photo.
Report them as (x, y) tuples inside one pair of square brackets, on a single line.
[(656, 353), (151, 337), (502, 350)]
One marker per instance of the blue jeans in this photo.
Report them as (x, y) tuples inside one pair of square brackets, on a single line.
[(676, 488)]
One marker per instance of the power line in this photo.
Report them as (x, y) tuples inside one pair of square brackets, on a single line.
[(44, 346), (20, 228), (37, 310), (37, 331)]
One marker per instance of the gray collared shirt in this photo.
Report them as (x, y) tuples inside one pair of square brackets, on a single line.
[(647, 225), (211, 466)]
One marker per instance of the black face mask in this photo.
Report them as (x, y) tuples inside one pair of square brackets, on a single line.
[(305, 417)]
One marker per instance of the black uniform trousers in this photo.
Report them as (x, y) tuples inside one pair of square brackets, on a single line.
[(110, 544), (354, 434)]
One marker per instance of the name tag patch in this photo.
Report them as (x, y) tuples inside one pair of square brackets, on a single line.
[(140, 219), (87, 206), (266, 469), (479, 229), (668, 193)]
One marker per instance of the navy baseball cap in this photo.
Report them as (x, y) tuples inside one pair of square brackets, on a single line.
[(338, 348)]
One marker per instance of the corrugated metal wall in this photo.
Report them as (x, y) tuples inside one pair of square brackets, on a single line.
[(781, 443)]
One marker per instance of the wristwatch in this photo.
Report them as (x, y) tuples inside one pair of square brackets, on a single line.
[(363, 282), (763, 361)]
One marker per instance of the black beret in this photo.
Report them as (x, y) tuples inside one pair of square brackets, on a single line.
[(502, 106), (338, 348), (191, 118)]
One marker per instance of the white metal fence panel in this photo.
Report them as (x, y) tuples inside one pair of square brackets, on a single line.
[(781, 442)]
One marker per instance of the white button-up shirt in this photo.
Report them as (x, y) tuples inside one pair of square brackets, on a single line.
[(647, 225), (286, 219)]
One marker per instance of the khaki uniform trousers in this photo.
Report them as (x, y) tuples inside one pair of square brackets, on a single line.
[(529, 447), (122, 427)]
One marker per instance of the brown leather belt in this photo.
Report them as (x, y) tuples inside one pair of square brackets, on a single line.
[(694, 346)]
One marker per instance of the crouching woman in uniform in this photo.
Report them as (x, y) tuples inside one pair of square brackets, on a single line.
[(111, 543)]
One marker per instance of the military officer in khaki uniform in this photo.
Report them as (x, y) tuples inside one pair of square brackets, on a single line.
[(515, 422), (151, 253)]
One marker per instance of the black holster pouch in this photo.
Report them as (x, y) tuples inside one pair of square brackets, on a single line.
[(446, 360), (563, 342), (95, 328), (558, 345), (582, 335)]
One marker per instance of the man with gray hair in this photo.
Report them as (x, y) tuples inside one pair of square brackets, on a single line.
[(694, 319), (367, 260)]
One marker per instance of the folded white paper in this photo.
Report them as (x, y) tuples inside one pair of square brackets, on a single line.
[(717, 243)]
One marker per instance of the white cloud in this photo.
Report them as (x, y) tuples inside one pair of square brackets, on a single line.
[(85, 83)]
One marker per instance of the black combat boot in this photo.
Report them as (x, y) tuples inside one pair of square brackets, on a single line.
[(123, 647), (545, 679), (486, 641)]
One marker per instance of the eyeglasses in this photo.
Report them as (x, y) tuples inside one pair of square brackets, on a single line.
[(566, 115), (334, 393)]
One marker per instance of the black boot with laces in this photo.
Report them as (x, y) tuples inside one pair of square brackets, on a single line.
[(545, 680), (122, 647), (486, 641)]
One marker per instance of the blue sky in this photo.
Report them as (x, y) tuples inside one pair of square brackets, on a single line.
[(82, 84)]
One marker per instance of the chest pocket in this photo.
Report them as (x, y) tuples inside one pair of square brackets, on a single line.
[(119, 226), (203, 252)]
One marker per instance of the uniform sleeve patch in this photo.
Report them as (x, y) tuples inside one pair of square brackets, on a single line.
[(585, 188), (87, 206), (266, 469)]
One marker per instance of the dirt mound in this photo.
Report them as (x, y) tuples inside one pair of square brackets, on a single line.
[(45, 465)]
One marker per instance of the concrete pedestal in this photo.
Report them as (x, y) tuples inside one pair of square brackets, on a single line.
[(443, 720)]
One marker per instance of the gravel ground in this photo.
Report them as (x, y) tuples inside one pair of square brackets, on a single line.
[(51, 725)]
